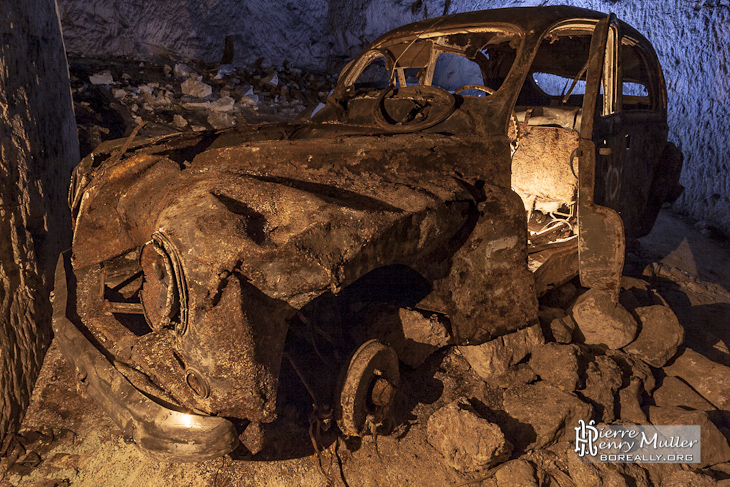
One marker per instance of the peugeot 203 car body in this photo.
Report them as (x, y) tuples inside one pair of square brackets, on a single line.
[(470, 162)]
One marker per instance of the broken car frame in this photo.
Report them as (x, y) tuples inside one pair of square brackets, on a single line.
[(467, 164)]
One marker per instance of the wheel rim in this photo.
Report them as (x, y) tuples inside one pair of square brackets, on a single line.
[(367, 389)]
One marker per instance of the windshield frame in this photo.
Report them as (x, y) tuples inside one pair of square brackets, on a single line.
[(355, 68)]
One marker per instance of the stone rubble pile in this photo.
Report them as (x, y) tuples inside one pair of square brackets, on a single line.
[(627, 366), (171, 97)]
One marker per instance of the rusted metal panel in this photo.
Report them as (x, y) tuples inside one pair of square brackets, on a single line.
[(227, 242), (488, 289), (260, 229), (601, 246), (163, 432)]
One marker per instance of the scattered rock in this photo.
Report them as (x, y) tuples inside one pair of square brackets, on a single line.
[(595, 474), (659, 337), (146, 88), (184, 71), (714, 445), (162, 100), (603, 379), (250, 99), (225, 70), (710, 379), (557, 364), (221, 120), (179, 121), (103, 78), (562, 329), (426, 334), (253, 437), (630, 403), (556, 324), (152, 96), (224, 104), (516, 473), (632, 366), (413, 336), (272, 80), (193, 103), (516, 374), (688, 478), (546, 413), (599, 321), (494, 357), (198, 89), (674, 392), (467, 441)]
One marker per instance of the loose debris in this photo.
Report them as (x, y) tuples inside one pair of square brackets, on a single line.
[(114, 95), (467, 441), (660, 335), (602, 323)]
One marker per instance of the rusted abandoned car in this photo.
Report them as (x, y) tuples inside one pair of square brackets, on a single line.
[(463, 166)]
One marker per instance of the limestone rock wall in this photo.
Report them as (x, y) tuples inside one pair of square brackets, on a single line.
[(38, 147), (196, 29)]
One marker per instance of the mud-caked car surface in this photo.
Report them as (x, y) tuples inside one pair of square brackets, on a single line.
[(463, 166)]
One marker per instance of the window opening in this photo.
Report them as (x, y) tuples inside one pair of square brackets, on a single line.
[(636, 84)]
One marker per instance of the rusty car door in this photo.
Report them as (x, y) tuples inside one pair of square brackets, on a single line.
[(601, 233), (643, 137)]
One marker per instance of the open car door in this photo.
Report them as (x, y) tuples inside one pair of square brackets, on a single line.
[(601, 243)]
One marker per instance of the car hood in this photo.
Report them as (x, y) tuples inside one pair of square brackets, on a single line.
[(305, 201)]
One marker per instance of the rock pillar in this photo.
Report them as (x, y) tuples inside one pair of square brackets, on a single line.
[(38, 148)]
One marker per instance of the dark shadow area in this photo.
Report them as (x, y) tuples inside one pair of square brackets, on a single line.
[(673, 232), (183, 150), (418, 386), (521, 435), (331, 194), (320, 342), (99, 118), (706, 326), (253, 221)]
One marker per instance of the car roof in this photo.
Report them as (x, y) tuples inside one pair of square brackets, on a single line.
[(527, 18)]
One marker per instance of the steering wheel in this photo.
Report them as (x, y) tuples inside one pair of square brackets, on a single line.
[(485, 89), (431, 105)]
